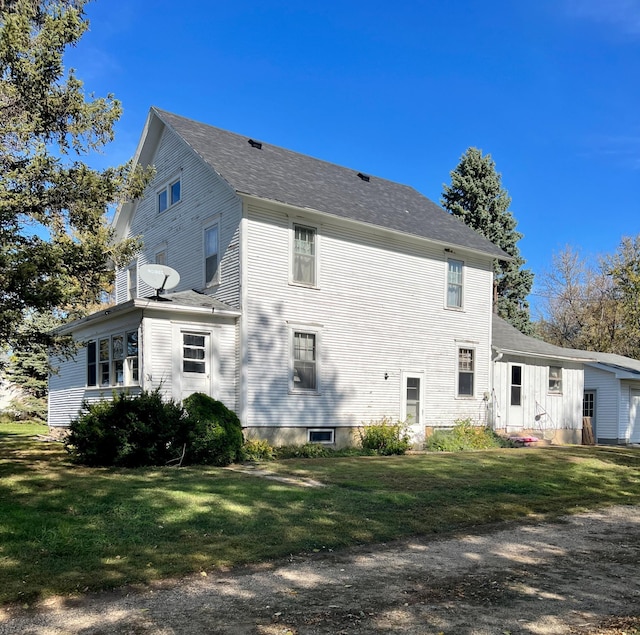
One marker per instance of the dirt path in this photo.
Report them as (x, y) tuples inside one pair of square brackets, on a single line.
[(549, 578)]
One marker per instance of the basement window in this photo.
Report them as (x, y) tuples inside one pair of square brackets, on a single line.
[(321, 435)]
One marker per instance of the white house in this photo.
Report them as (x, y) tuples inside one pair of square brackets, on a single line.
[(312, 297)]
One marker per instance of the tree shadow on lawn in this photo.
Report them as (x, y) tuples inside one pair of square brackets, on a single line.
[(66, 529)]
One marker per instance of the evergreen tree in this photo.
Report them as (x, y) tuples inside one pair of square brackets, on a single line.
[(476, 197), (28, 367), (56, 249)]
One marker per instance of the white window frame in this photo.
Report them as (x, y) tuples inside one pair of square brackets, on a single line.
[(192, 346), (519, 387), (161, 257), (555, 382), (458, 284), (293, 384), (132, 280), (331, 431), (165, 196), (120, 367), (209, 226), (316, 255), (460, 371)]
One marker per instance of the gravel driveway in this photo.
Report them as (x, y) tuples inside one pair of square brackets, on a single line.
[(577, 575)]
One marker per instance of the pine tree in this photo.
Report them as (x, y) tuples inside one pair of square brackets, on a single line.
[(476, 197), (56, 249), (28, 367)]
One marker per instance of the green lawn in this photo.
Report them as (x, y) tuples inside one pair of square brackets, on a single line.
[(65, 529)]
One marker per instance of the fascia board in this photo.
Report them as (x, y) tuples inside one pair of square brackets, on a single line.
[(521, 353)]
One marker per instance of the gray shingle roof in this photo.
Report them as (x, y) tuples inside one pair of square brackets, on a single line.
[(194, 299), (288, 177), (509, 339)]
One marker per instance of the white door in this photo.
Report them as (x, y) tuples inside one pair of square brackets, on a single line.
[(412, 405), (195, 367), (634, 418), (589, 410), (516, 397)]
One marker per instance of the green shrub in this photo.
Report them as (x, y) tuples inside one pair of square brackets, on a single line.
[(127, 431), (214, 433), (465, 436), (132, 431), (305, 451), (385, 437), (257, 450)]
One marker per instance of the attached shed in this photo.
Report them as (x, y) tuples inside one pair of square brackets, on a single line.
[(178, 343), (612, 398), (537, 387)]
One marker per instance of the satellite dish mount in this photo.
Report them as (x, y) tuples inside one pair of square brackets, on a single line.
[(160, 277)]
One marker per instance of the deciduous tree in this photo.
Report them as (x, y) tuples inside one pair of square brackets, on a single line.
[(477, 197), (594, 306)]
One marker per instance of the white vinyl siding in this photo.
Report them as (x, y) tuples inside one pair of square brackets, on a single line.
[(540, 409), (372, 325), (161, 350), (179, 228)]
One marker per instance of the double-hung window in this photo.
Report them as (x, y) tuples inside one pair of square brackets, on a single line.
[(305, 361), (555, 380), (454, 284), (132, 281), (211, 251), (304, 266), (113, 360), (466, 371), (169, 195)]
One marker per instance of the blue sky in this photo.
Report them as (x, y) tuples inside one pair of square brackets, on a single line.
[(400, 90)]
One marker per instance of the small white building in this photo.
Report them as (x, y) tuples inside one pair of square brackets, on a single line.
[(537, 387), (612, 398), (313, 298)]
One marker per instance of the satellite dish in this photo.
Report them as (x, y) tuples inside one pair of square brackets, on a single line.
[(160, 277)]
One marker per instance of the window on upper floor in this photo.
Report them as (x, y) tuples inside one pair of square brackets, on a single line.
[(132, 281), (555, 380), (113, 360), (169, 195), (161, 257), (303, 261), (211, 251), (454, 283), (304, 361), (466, 371)]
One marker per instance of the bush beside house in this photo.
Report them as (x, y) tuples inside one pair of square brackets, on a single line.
[(133, 431)]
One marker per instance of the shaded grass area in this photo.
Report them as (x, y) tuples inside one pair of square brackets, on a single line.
[(66, 529)]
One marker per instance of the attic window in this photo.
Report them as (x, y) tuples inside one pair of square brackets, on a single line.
[(255, 144), (365, 177)]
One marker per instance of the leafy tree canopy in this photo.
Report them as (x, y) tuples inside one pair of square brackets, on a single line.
[(476, 197), (56, 248), (594, 306)]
